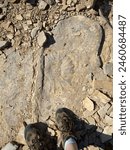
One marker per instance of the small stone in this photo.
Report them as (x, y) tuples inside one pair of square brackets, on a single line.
[(14, 1), (1, 17), (19, 17), (108, 68), (4, 44), (103, 110), (110, 110), (10, 146), (69, 2), (102, 97), (111, 114), (80, 7), (34, 32), (96, 117), (71, 8), (28, 15), (64, 2), (4, 11), (108, 120), (108, 130), (64, 7), (75, 1), (7, 26), (42, 5), (99, 129), (50, 2), (10, 36), (25, 26), (25, 147), (88, 104), (20, 136), (29, 22), (41, 39), (51, 123), (58, 1), (104, 85), (101, 124), (91, 120), (90, 4), (44, 24)]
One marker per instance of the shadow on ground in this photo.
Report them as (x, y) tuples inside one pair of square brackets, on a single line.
[(86, 134), (39, 131)]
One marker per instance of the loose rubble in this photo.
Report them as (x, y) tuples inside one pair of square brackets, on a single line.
[(56, 53)]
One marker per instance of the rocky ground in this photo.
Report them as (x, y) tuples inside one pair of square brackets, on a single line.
[(56, 53)]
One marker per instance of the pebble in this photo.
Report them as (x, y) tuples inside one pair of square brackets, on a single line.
[(20, 135), (96, 117), (108, 120), (50, 2), (19, 17), (64, 2), (69, 2), (41, 39), (110, 110), (102, 97), (90, 4), (34, 32), (10, 146), (10, 36), (1, 17), (80, 7), (103, 110), (64, 7), (25, 147), (88, 104), (42, 5), (91, 120), (104, 85), (111, 114), (71, 8), (29, 22), (25, 26), (14, 1), (58, 1), (75, 1)]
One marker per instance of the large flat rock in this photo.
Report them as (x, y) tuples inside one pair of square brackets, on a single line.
[(68, 63)]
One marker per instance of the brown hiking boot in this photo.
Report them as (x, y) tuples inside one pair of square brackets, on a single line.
[(65, 125), (33, 137)]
